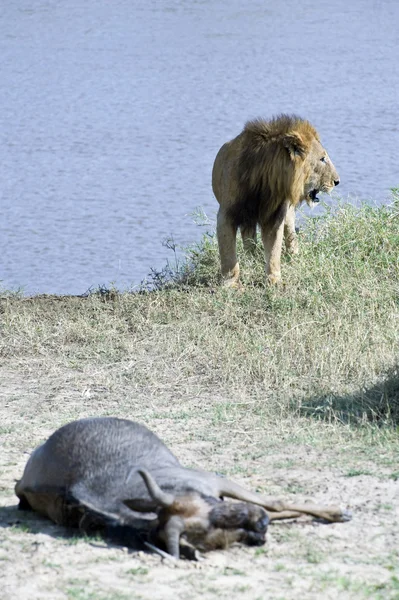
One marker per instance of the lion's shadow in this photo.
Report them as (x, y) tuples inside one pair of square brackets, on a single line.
[(378, 403)]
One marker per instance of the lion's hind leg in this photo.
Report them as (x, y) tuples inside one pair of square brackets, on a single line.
[(227, 237)]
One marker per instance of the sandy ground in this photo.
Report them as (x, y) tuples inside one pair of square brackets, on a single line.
[(306, 560)]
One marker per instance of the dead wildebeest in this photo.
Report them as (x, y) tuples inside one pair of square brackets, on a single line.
[(116, 476)]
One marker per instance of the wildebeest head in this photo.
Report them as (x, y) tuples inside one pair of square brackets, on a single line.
[(204, 522)]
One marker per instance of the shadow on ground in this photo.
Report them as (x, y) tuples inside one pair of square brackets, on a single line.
[(27, 521), (375, 404)]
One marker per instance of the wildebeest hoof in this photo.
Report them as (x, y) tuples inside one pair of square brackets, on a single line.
[(346, 516)]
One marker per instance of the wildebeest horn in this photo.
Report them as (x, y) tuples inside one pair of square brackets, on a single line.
[(162, 498), (173, 530)]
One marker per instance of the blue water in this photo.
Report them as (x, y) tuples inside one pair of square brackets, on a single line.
[(111, 114)]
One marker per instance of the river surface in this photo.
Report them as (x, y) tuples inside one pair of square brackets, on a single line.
[(111, 114)]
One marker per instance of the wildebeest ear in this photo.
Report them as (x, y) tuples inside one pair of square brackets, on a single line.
[(294, 144)]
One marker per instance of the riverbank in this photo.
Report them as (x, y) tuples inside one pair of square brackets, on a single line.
[(291, 390)]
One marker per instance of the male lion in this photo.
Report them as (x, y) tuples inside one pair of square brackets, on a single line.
[(260, 177)]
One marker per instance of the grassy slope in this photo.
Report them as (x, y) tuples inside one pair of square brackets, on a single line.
[(324, 338)]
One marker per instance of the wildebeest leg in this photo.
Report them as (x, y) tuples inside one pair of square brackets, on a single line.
[(227, 234), (48, 502), (272, 237), (248, 234), (284, 514), (272, 505), (290, 236), (333, 514)]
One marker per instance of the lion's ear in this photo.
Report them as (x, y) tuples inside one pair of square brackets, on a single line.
[(294, 144)]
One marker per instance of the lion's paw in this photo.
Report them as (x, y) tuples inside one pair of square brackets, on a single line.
[(233, 284), (274, 278)]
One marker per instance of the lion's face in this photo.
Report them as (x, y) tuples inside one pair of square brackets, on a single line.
[(322, 176)]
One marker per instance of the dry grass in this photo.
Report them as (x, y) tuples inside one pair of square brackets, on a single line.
[(292, 390), (328, 334)]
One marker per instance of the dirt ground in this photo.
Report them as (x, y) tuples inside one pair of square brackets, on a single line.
[(297, 459)]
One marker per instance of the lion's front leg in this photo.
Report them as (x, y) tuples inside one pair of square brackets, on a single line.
[(290, 236), (227, 234), (272, 238)]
